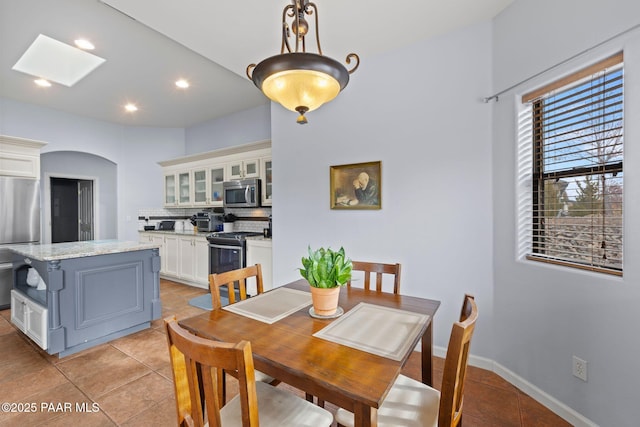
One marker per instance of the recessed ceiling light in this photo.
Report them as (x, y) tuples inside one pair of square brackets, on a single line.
[(131, 107), (84, 44), (182, 84), (42, 82)]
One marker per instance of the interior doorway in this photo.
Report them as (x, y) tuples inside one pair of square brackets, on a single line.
[(72, 216)]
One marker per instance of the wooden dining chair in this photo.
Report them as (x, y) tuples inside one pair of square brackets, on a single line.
[(232, 280), (198, 362), (412, 403), (379, 269)]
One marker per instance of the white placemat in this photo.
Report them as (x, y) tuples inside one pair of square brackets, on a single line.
[(269, 307), (387, 332)]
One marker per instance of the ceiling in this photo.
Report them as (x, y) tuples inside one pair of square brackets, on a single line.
[(149, 44)]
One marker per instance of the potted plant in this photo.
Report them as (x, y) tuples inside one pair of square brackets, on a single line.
[(326, 271)]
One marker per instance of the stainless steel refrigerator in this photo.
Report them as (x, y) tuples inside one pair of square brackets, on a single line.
[(19, 223)]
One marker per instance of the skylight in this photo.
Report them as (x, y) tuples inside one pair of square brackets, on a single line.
[(58, 62)]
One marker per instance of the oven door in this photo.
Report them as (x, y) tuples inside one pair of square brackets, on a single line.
[(225, 258)]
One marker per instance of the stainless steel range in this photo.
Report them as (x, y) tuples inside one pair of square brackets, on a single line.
[(228, 251)]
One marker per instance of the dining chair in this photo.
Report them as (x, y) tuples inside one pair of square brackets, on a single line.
[(231, 279), (198, 362), (411, 403), (379, 269), (369, 269)]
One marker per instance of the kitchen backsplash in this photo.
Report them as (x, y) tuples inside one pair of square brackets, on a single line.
[(152, 216)]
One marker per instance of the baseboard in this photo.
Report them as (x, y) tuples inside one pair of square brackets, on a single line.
[(568, 414)]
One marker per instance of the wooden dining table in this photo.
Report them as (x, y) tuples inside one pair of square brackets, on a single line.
[(352, 379)]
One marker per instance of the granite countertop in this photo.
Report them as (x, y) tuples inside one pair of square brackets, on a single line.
[(58, 251)]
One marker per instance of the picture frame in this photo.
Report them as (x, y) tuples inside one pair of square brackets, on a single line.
[(356, 186)]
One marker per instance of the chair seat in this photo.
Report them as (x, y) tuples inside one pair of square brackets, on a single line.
[(409, 403), (278, 408), (262, 377)]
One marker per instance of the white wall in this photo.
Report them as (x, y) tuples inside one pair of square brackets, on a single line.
[(135, 151), (418, 110), (240, 128), (546, 314)]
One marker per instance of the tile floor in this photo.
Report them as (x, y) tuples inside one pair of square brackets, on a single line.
[(127, 382)]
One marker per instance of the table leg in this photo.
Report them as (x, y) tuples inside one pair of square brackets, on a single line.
[(365, 416), (427, 355)]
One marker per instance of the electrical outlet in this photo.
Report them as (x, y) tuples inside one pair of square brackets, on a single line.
[(580, 368)]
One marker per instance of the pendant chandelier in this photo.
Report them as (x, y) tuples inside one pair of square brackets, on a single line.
[(299, 80)]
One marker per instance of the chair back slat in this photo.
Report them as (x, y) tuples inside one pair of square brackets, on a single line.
[(197, 364), (379, 270), (234, 279), (455, 365)]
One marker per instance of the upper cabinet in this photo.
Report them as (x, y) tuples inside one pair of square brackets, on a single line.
[(196, 181), (241, 169), (267, 187), (20, 157), (216, 178), (170, 198)]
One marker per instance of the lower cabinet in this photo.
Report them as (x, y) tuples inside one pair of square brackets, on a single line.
[(186, 263), (158, 239), (201, 258), (259, 252), (172, 251), (184, 258), (30, 317)]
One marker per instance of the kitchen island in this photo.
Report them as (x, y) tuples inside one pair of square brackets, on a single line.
[(90, 292)]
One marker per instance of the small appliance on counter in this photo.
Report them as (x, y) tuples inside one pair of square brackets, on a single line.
[(166, 225), (206, 221)]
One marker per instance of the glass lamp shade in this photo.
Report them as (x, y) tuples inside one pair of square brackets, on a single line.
[(301, 88), (300, 79)]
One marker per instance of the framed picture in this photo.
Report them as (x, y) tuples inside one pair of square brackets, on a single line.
[(356, 186)]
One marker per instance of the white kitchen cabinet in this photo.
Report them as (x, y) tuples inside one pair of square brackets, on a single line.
[(172, 254), (241, 169), (184, 188), (201, 257), (186, 262), (158, 239), (196, 180), (207, 185), (259, 252), (184, 258), (30, 317), (266, 167), (199, 190), (216, 178), (20, 157), (170, 198)]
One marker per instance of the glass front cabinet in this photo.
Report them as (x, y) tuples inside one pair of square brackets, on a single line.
[(199, 196), (170, 198), (196, 181), (216, 178), (184, 188), (267, 190)]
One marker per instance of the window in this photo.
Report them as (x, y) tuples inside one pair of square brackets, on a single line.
[(577, 171)]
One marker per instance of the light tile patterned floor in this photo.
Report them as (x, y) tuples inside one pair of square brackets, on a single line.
[(127, 382)]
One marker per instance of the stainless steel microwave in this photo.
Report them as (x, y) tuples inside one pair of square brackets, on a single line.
[(243, 193)]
